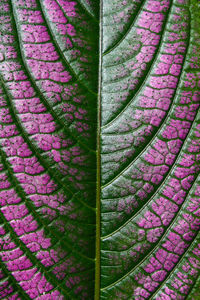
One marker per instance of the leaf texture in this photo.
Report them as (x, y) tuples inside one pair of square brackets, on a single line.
[(150, 155), (48, 149), (99, 149)]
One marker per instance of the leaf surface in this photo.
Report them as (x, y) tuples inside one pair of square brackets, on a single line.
[(99, 149)]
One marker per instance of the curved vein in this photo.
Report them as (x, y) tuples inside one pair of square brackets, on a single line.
[(167, 116), (127, 30), (36, 88), (62, 56), (157, 244), (176, 265), (138, 90)]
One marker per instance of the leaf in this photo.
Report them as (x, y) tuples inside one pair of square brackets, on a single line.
[(99, 149)]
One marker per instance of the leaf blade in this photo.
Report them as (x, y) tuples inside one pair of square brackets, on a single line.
[(57, 227), (99, 148), (126, 244)]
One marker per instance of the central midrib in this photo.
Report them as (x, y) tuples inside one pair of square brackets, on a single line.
[(98, 162)]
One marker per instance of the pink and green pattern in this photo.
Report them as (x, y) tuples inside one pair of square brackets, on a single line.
[(100, 149)]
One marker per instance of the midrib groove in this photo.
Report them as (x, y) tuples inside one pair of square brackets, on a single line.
[(98, 164)]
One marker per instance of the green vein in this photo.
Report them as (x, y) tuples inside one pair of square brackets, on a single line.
[(41, 224), (127, 30), (174, 164), (33, 148), (60, 52), (167, 116), (35, 86), (20, 129), (176, 265), (40, 267), (157, 52), (138, 265)]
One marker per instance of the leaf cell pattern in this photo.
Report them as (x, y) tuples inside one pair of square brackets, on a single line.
[(47, 144), (124, 74), (150, 155)]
